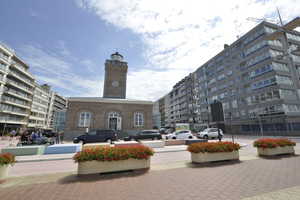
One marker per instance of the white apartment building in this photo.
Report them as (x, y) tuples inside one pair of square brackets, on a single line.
[(16, 90)]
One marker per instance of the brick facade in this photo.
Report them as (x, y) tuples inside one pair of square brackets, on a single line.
[(99, 108)]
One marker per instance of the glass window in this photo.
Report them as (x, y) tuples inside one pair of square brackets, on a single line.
[(255, 127), (246, 127), (138, 119), (84, 119), (280, 127)]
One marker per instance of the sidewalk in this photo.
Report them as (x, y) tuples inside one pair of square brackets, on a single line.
[(171, 176)]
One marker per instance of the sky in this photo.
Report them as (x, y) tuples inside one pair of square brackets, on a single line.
[(66, 42)]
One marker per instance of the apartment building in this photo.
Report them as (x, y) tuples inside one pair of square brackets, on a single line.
[(38, 111), (259, 89), (24, 103), (56, 103), (16, 90)]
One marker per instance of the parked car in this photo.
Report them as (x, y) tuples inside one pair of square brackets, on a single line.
[(47, 133), (209, 133), (180, 134), (144, 135), (98, 135)]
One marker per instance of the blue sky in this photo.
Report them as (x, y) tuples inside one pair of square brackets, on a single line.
[(66, 42)]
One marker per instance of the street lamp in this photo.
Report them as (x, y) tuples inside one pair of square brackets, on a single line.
[(282, 32), (261, 130)]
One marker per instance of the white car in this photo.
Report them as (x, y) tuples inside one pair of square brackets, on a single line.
[(209, 133), (180, 134)]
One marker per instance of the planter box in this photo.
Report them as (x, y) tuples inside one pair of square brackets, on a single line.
[(64, 148), (153, 144), (174, 142), (201, 158), (126, 144), (3, 173), (95, 145), (95, 168), (24, 150), (5, 138), (192, 141), (276, 151)]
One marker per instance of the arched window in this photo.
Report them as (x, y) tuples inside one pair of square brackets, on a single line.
[(138, 119), (113, 115), (84, 119)]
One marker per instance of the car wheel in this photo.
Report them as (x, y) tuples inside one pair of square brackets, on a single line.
[(132, 139), (174, 138), (109, 141), (205, 137), (190, 137), (155, 138), (81, 142)]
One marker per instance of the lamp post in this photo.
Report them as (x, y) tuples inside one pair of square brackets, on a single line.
[(261, 129), (282, 32)]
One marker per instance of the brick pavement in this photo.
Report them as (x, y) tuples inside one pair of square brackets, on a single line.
[(171, 178), (252, 178)]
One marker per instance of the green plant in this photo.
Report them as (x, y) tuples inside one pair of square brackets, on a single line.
[(272, 143), (113, 153), (213, 147), (7, 159)]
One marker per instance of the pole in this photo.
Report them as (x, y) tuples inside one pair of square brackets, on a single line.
[(231, 128), (4, 125), (261, 130)]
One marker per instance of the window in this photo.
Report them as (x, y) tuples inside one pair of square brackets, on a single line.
[(237, 78), (234, 103), (138, 119), (84, 119), (229, 72)]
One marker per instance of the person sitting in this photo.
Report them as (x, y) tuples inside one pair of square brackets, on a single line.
[(36, 137), (24, 136)]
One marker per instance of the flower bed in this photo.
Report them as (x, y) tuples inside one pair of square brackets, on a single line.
[(213, 151), (6, 159), (92, 162), (273, 147)]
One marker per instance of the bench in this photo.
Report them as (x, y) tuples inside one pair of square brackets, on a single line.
[(153, 144), (95, 145), (174, 142), (191, 141), (64, 148), (25, 150), (126, 144)]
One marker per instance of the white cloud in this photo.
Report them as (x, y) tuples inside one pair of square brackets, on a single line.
[(181, 35), (60, 74), (38, 15)]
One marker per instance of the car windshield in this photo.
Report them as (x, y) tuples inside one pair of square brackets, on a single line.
[(175, 132), (206, 130)]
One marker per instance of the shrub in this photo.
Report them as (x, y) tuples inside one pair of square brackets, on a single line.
[(213, 147), (272, 143), (113, 153), (7, 159)]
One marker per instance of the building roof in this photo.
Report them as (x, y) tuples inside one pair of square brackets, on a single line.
[(109, 100)]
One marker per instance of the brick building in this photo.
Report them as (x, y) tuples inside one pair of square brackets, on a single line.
[(111, 111)]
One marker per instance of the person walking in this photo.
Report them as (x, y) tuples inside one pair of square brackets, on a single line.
[(12, 134), (57, 136)]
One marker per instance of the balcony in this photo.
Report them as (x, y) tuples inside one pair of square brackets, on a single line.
[(20, 69), (20, 78), (17, 95), (18, 86), (5, 101), (15, 112)]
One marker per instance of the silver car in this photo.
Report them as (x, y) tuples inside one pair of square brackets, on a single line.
[(209, 133), (180, 134)]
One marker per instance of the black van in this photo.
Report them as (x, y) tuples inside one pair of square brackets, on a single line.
[(98, 135)]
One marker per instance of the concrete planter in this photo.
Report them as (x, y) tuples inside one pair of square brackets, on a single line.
[(95, 168), (5, 138), (276, 151), (199, 158), (3, 173)]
